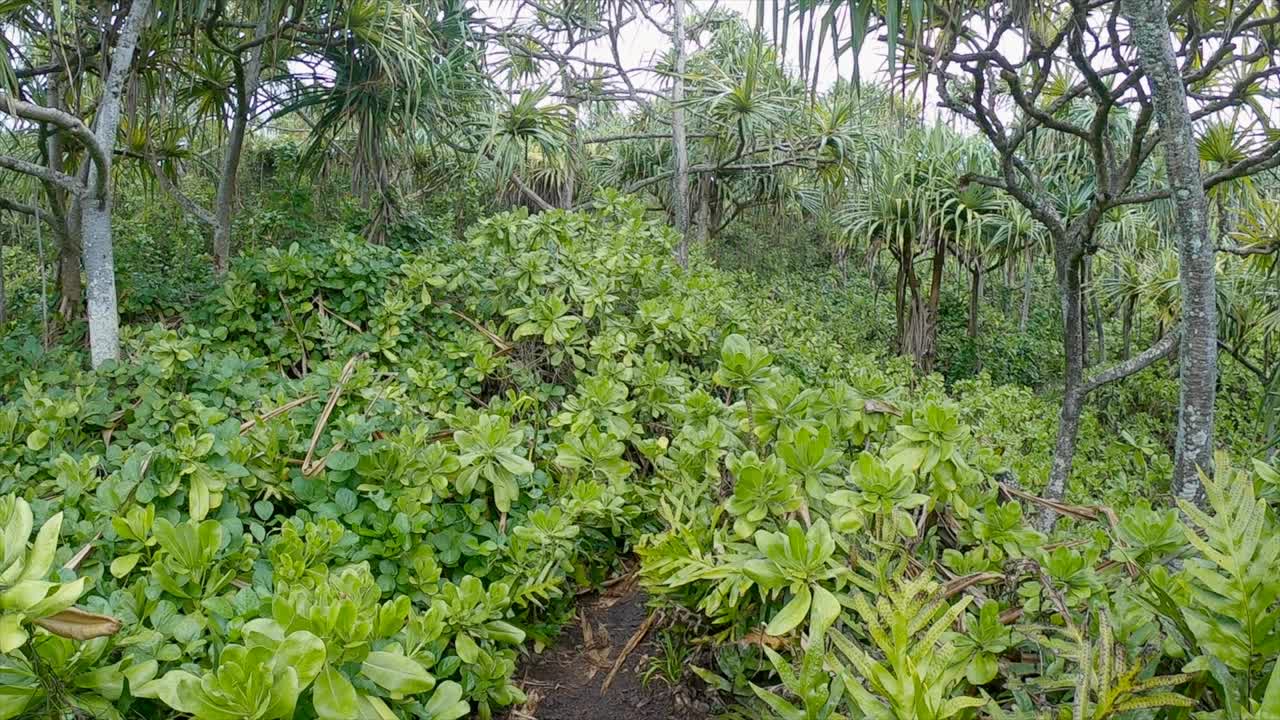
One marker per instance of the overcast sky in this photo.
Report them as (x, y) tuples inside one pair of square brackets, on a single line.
[(641, 41)]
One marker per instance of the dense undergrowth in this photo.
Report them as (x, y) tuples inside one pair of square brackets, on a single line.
[(359, 481)]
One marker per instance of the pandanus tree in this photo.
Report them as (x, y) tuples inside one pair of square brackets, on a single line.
[(1250, 327), (212, 72), (910, 203), (1108, 57), (384, 73), (1015, 232)]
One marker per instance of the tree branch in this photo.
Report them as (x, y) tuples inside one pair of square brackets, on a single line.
[(1138, 362), (191, 206), (529, 193), (32, 210), (67, 122), (62, 180)]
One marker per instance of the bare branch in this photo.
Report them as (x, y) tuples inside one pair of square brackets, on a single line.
[(32, 210), (62, 180), (67, 122), (191, 206), (1138, 362)]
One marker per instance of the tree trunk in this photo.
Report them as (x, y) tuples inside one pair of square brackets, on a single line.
[(716, 208), (900, 296), (1084, 311), (1198, 358), (1006, 297), (1028, 285), (680, 182), (930, 346), (920, 336), (705, 230), (247, 79), (70, 293), (1067, 271), (95, 220)]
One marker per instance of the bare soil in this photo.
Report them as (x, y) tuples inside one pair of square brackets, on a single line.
[(595, 669)]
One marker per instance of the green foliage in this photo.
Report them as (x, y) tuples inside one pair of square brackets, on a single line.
[(1232, 608), (921, 668), (361, 481), (26, 594)]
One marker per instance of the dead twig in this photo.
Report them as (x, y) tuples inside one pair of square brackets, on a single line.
[(503, 346), (961, 584), (247, 425), (326, 311), (627, 649), (348, 370), (1080, 512)]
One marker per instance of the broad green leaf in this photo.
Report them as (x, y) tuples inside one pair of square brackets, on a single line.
[(41, 555), (446, 702), (397, 673), (303, 652), (466, 647), (124, 564), (792, 614), (333, 695), (12, 634), (826, 609)]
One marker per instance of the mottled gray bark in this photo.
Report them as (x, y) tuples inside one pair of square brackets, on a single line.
[(680, 147), (95, 213), (1076, 387), (1198, 358), (1067, 271)]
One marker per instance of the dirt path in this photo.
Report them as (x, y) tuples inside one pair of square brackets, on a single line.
[(611, 644)]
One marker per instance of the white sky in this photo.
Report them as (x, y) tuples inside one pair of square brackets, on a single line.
[(641, 41)]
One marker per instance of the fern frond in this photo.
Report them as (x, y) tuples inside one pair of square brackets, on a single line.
[(1146, 702), (1161, 681)]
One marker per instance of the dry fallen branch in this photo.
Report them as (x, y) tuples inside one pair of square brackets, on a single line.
[(961, 584), (1080, 512), (326, 311), (627, 649), (248, 425), (502, 345), (348, 370)]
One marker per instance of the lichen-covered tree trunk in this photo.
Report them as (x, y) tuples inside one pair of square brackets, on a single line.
[(95, 211), (680, 181), (1198, 356), (1067, 271)]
